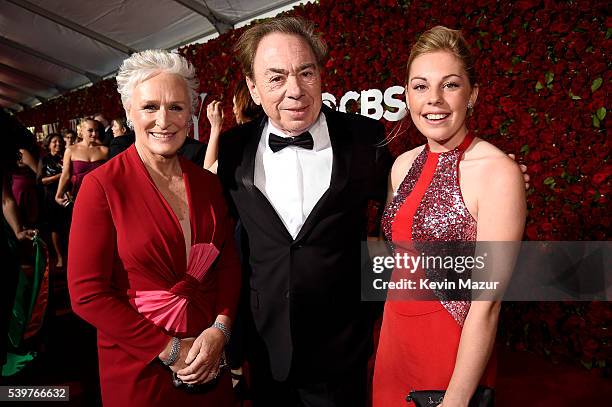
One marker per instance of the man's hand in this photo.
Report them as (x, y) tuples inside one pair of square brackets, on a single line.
[(523, 168)]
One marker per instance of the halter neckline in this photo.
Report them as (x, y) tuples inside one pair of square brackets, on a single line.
[(467, 140)]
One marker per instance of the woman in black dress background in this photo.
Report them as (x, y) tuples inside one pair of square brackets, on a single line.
[(49, 173)]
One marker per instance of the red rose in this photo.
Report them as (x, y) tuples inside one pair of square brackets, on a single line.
[(547, 227), (601, 176), (589, 347), (524, 5), (532, 231)]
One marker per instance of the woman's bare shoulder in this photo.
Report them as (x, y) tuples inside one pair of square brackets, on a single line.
[(491, 162)]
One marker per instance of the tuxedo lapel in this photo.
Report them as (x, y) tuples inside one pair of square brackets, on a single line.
[(246, 171), (246, 177), (341, 150)]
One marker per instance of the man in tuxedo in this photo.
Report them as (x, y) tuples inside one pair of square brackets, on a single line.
[(106, 132), (193, 150), (301, 180)]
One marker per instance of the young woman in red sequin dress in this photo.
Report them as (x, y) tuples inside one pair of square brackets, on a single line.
[(456, 187)]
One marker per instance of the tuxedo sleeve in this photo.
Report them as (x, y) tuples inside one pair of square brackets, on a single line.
[(382, 166), (92, 255), (226, 165)]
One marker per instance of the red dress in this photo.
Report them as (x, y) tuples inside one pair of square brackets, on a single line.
[(125, 240), (419, 339), (26, 197), (81, 168)]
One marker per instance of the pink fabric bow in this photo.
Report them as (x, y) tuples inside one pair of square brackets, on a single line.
[(167, 308)]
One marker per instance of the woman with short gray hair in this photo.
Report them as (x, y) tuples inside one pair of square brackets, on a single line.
[(152, 263)]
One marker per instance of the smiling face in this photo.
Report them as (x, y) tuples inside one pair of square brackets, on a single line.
[(89, 131), (55, 145), (286, 82), (160, 109), (438, 92)]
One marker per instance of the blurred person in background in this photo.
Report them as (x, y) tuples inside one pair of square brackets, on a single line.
[(80, 159), (70, 137), (49, 173), (23, 181), (244, 109), (122, 137), (11, 228), (105, 131)]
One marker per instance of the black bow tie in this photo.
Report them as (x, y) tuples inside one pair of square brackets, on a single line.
[(304, 140)]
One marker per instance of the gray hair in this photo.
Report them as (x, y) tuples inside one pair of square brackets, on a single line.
[(246, 46), (144, 65)]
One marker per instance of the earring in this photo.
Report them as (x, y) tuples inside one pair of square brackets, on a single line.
[(129, 124), (470, 106)]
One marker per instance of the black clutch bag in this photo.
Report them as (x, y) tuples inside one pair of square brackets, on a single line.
[(483, 397), (194, 388)]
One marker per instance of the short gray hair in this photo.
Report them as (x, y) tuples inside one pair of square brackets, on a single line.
[(144, 65)]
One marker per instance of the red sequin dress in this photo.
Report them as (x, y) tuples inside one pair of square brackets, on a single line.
[(419, 339)]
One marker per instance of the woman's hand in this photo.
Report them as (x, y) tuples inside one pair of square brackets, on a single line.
[(26, 234), (62, 184), (186, 345), (215, 117), (63, 200), (214, 113), (204, 357)]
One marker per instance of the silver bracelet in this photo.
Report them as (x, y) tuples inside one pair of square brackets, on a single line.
[(222, 328), (175, 350)]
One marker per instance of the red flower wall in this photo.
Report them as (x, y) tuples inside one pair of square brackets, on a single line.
[(545, 80)]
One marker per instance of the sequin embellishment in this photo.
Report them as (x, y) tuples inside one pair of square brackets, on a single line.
[(440, 216)]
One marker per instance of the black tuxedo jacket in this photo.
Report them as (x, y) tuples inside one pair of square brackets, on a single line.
[(305, 293), (105, 136), (193, 150)]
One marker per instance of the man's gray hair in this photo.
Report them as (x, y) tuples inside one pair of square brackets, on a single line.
[(246, 46), (144, 65)]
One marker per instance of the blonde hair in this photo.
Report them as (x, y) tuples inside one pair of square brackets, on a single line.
[(81, 123), (441, 38), (84, 120), (144, 65)]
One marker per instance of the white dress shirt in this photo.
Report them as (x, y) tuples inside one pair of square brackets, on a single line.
[(294, 179)]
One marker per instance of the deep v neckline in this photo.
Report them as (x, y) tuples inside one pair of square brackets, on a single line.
[(187, 238), (186, 225)]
